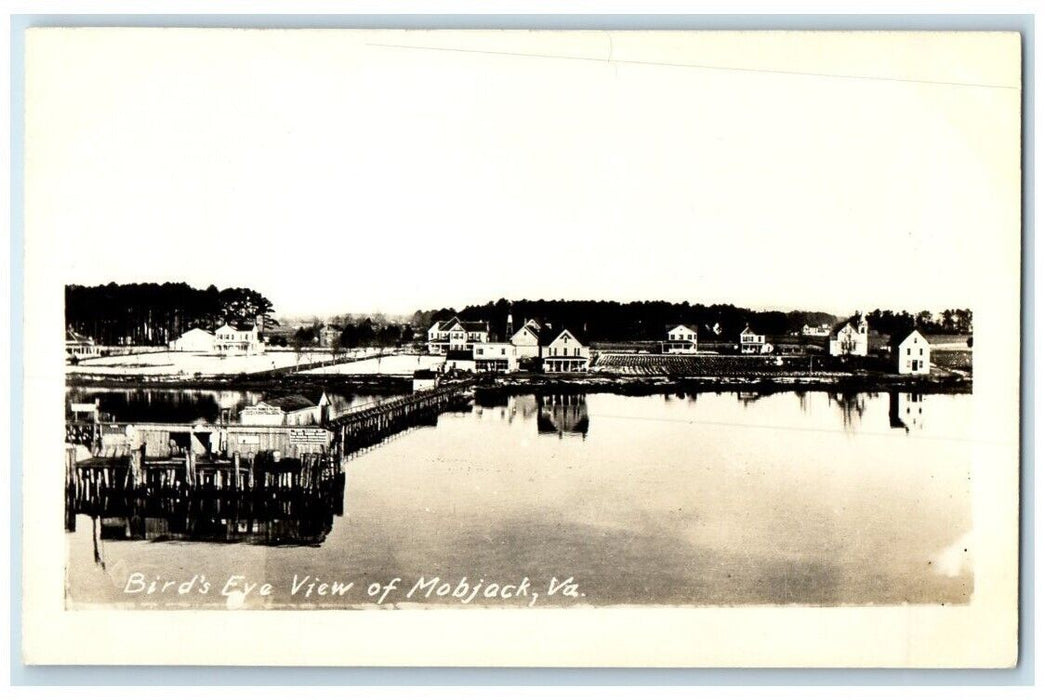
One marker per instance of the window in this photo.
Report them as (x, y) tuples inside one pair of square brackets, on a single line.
[(908, 351), (921, 351)]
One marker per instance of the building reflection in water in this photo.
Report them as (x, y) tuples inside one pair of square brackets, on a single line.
[(852, 407), (906, 410), (521, 407), (562, 414)]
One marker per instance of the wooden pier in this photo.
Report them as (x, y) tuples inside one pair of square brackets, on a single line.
[(369, 425)]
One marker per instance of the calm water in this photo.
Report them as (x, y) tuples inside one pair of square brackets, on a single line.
[(707, 500)]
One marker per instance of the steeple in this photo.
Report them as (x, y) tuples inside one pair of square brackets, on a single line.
[(509, 327)]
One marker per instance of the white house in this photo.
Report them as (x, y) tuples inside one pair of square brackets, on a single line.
[(194, 340), (456, 334), (238, 340), (527, 340), (562, 351), (913, 354), (850, 337), (682, 340), (495, 357), (752, 343)]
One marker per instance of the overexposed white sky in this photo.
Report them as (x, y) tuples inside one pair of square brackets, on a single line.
[(339, 171)]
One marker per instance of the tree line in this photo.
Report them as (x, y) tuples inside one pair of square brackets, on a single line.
[(648, 320), (624, 321), (156, 314)]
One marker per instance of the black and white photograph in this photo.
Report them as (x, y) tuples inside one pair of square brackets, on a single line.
[(606, 331)]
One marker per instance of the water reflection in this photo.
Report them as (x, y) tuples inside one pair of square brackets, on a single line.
[(279, 507), (852, 407), (187, 405), (562, 414), (907, 410)]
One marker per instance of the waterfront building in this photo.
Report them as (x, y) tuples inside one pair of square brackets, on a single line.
[(682, 340), (563, 351), (850, 337), (459, 360), (425, 379), (495, 357), (527, 340), (752, 343), (294, 410), (913, 354), (79, 346), (194, 340)]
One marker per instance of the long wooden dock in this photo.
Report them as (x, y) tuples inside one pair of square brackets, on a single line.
[(365, 426)]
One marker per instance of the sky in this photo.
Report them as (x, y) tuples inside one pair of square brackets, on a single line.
[(391, 171)]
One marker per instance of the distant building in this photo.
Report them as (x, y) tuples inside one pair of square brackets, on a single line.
[(328, 336), (527, 340), (239, 339), (79, 346), (195, 340), (563, 351), (913, 354), (752, 343), (821, 331), (495, 357), (456, 334), (850, 337), (682, 340)]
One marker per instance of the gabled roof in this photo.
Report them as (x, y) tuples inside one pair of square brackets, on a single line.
[(853, 321), (533, 330), (197, 331), (294, 402), (670, 328), (549, 334), (748, 330), (241, 327), (897, 339)]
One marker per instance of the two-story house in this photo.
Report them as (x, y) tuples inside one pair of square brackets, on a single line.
[(751, 343), (563, 351), (238, 339), (913, 354), (527, 340), (495, 357), (456, 334), (682, 340)]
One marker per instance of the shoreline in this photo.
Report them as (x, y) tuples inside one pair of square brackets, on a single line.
[(509, 385)]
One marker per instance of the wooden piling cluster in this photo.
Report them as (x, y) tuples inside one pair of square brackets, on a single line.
[(368, 426)]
